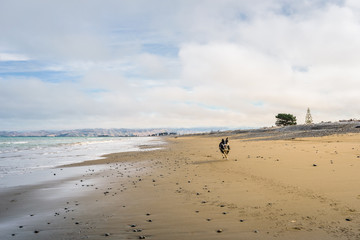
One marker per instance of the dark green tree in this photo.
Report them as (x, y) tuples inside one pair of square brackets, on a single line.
[(285, 119)]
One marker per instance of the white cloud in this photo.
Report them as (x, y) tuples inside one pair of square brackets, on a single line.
[(182, 63), (5, 57)]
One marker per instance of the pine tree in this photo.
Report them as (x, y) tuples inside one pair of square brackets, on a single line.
[(285, 119), (308, 118)]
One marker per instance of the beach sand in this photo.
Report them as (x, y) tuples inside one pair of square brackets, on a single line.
[(306, 188)]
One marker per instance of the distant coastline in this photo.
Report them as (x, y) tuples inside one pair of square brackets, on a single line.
[(273, 133), (113, 132)]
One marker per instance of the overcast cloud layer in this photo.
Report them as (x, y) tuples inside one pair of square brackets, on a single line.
[(185, 63)]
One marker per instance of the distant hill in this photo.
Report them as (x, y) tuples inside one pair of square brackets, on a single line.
[(113, 132)]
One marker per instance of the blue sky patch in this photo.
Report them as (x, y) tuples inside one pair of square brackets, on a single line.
[(160, 49), (258, 104), (33, 69)]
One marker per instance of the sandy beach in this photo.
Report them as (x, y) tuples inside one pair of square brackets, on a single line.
[(300, 188)]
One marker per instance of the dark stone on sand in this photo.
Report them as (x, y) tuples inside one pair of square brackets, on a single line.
[(13, 234), (242, 220), (107, 234), (77, 223), (148, 214), (142, 237), (133, 225), (222, 205), (224, 213), (208, 219), (137, 230), (36, 231), (256, 231), (314, 165), (219, 231), (21, 226), (149, 220), (348, 219)]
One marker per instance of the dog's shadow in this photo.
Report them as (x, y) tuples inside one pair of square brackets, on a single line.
[(210, 161)]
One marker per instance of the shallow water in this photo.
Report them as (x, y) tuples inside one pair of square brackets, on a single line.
[(21, 158)]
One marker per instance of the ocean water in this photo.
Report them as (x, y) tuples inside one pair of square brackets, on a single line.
[(22, 155)]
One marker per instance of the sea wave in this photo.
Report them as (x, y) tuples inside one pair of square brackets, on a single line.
[(21, 155), (13, 143)]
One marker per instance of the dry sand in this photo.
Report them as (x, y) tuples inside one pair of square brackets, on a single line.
[(287, 189)]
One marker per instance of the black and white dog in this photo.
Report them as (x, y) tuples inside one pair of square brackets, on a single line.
[(224, 147)]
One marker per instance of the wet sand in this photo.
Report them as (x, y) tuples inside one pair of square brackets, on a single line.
[(304, 188)]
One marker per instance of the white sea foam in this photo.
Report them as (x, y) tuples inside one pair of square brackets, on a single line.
[(23, 155)]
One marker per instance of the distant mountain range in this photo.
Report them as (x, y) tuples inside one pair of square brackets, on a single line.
[(113, 132)]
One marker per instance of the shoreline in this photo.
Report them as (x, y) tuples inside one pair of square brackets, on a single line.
[(266, 190), (33, 161)]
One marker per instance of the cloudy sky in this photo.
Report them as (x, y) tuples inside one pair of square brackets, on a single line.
[(181, 63)]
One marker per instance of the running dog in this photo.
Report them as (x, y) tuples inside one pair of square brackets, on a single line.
[(224, 148)]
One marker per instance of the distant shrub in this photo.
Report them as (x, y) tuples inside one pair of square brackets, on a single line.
[(285, 119)]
